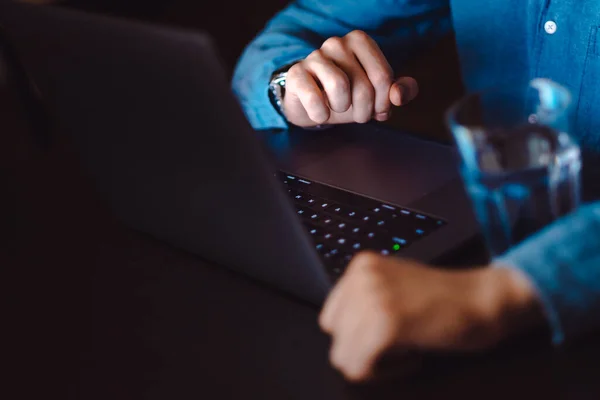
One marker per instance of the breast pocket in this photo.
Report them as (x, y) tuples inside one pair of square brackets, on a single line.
[(587, 122)]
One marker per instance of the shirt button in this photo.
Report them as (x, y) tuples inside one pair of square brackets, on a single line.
[(550, 27)]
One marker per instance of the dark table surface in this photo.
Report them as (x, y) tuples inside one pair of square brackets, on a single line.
[(99, 311)]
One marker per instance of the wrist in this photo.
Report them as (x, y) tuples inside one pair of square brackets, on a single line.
[(509, 302), (279, 100), (277, 85)]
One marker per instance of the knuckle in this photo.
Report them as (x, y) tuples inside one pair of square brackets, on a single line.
[(358, 35), (339, 84), (316, 112), (296, 68), (334, 44), (315, 55), (294, 72), (366, 261), (372, 268), (324, 321)]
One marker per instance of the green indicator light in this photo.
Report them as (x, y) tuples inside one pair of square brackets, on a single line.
[(396, 247)]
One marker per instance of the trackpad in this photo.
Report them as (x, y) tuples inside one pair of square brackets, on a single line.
[(388, 166)]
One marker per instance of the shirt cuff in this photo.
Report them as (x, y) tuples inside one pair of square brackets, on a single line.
[(562, 263), (252, 91)]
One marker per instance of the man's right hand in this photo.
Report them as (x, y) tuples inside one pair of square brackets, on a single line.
[(347, 80)]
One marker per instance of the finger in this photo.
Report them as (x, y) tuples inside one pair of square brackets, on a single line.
[(348, 339), (345, 289), (403, 90), (359, 342), (363, 93), (343, 353), (332, 307), (376, 67), (364, 329), (303, 85), (334, 81)]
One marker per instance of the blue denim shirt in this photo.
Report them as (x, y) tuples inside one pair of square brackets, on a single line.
[(499, 42)]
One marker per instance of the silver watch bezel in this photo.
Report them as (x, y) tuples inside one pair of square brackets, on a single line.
[(277, 88)]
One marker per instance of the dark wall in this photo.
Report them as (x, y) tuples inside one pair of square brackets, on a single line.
[(234, 24)]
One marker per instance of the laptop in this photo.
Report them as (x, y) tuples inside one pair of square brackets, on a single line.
[(157, 128)]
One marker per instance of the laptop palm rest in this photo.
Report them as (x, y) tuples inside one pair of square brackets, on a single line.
[(367, 159)]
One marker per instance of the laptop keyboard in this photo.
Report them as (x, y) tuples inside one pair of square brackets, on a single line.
[(342, 223)]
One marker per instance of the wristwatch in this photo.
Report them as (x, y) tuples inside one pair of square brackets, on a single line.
[(277, 88)]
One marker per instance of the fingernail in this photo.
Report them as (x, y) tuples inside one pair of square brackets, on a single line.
[(382, 116)]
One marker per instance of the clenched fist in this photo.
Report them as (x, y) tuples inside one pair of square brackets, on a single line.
[(384, 305), (347, 80)]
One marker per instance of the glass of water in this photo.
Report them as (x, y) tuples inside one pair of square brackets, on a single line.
[(519, 164)]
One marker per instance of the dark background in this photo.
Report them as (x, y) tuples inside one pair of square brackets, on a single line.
[(232, 24), (88, 298), (97, 311)]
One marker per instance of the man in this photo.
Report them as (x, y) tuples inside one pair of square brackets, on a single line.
[(336, 57)]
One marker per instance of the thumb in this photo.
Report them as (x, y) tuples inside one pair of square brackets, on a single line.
[(403, 90)]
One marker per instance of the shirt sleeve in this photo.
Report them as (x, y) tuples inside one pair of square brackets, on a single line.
[(399, 27), (563, 263)]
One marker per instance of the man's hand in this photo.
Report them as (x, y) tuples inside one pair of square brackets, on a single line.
[(347, 80), (383, 304)]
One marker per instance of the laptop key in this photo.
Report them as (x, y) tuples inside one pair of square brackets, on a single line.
[(336, 209), (324, 205), (301, 198), (356, 246), (314, 217), (391, 245), (369, 234), (319, 204), (304, 212), (316, 232), (356, 230), (321, 248), (328, 236), (332, 255), (340, 230), (379, 222), (353, 214), (330, 222)]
